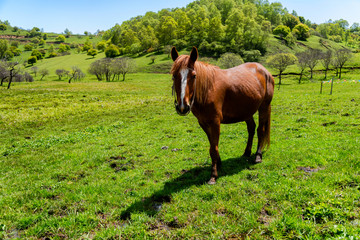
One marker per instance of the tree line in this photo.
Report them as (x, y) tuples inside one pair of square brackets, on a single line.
[(310, 59)]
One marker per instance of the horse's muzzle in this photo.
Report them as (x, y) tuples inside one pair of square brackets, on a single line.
[(182, 111)]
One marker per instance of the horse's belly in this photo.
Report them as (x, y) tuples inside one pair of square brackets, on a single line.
[(239, 109)]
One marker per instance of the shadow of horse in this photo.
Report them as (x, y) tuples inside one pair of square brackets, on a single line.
[(197, 176)]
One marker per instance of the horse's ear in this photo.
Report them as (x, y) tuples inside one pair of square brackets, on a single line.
[(194, 54), (174, 54)]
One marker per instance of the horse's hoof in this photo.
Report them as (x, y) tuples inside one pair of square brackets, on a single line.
[(212, 181), (258, 159)]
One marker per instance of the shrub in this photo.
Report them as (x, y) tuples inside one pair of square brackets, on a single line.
[(101, 46), (60, 38), (37, 54), (282, 31), (52, 54), (251, 56), (92, 52), (28, 47), (32, 60), (229, 60), (301, 31), (112, 51)]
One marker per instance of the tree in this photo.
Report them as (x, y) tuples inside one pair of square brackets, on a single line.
[(325, 59), (341, 57), (101, 69), (67, 33), (112, 51), (76, 74), (282, 31), (4, 73), (290, 20), (302, 63), (123, 66), (12, 69), (36, 53), (167, 29), (60, 38), (35, 70), (281, 61), (87, 45), (3, 27), (312, 59), (101, 46), (301, 31), (229, 60), (32, 60), (43, 73), (4, 46), (61, 73), (63, 48), (92, 52)]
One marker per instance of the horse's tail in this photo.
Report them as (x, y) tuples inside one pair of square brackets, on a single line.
[(267, 108), (267, 128)]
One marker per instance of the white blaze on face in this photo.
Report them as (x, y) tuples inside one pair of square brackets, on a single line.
[(184, 74)]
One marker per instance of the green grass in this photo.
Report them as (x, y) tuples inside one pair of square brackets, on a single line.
[(113, 160)]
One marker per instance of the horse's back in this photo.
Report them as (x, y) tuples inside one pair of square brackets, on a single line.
[(248, 86)]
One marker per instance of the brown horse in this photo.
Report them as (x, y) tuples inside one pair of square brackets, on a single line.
[(218, 96)]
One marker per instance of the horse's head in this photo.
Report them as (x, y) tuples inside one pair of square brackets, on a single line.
[(184, 80)]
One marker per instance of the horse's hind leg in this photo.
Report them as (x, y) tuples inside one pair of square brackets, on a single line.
[(263, 131), (251, 131)]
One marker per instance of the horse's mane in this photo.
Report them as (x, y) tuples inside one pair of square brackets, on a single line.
[(205, 76)]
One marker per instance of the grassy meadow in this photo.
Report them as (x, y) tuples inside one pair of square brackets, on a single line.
[(110, 160)]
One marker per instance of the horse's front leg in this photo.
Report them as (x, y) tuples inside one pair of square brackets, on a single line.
[(213, 133)]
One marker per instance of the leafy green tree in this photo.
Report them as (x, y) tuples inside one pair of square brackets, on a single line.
[(63, 48), (290, 20), (3, 27), (60, 38), (87, 45), (67, 33), (32, 60), (92, 52), (301, 31), (101, 46), (37, 54), (4, 46), (229, 60), (167, 29), (281, 61), (282, 31), (112, 51)]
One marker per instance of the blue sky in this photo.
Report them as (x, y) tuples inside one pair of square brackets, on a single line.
[(90, 15)]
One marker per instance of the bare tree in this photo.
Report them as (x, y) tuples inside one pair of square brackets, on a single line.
[(4, 73), (76, 74), (122, 66), (101, 69), (61, 73), (302, 63), (43, 72), (341, 57), (312, 59), (13, 71), (35, 70), (325, 59)]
